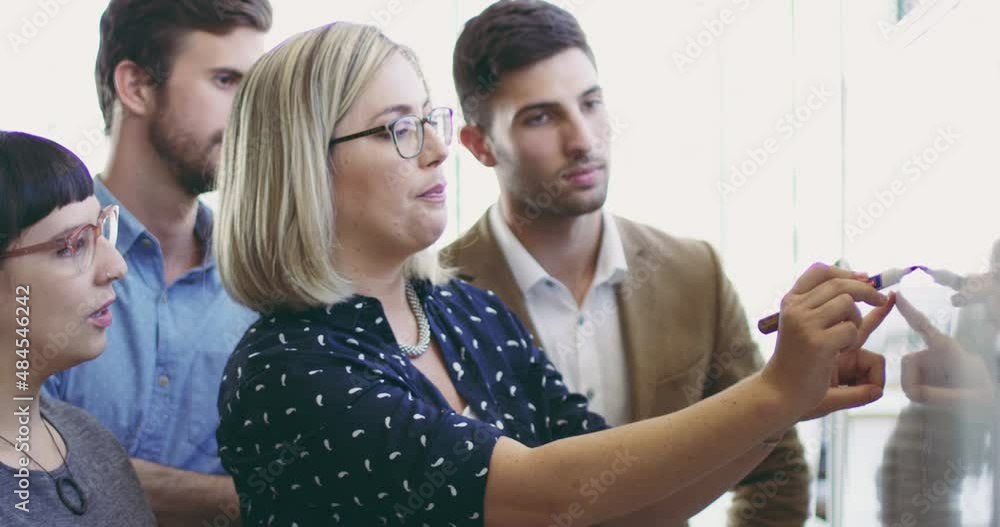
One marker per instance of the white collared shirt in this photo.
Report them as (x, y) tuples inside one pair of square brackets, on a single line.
[(584, 342)]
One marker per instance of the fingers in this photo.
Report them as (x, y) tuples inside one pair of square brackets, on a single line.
[(844, 397), (945, 277), (874, 366), (834, 311), (817, 274), (932, 336), (875, 317), (946, 397), (842, 336), (957, 380), (859, 290), (917, 320), (912, 375), (979, 286), (859, 366), (832, 301), (862, 367)]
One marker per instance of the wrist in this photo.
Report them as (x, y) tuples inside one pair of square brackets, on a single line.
[(775, 404)]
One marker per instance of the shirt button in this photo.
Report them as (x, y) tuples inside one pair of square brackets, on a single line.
[(164, 381), (163, 298), (147, 243), (550, 283), (580, 320)]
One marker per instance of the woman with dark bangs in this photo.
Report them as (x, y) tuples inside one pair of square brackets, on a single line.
[(60, 467)]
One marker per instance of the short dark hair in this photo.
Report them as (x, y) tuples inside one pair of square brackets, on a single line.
[(148, 32), (507, 36), (37, 176)]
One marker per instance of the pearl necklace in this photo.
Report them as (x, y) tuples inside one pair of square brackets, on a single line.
[(423, 327)]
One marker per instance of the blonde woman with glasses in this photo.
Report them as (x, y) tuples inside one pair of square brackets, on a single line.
[(375, 390)]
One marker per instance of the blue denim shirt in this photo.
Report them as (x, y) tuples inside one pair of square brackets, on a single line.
[(156, 385)]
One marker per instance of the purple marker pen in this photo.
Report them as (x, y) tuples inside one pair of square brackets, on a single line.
[(887, 278)]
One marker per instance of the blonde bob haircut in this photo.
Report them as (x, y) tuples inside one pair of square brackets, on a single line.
[(275, 234)]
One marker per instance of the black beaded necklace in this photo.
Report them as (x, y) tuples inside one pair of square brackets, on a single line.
[(64, 484)]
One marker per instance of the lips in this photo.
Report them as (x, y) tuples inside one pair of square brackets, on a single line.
[(435, 193), (585, 175), (102, 316)]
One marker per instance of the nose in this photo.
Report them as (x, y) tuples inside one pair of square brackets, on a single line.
[(435, 151), (110, 264), (579, 137)]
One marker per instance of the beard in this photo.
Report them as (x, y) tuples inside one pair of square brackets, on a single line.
[(534, 193), (187, 158), (557, 199)]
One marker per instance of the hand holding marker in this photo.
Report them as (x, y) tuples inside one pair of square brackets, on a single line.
[(891, 277)]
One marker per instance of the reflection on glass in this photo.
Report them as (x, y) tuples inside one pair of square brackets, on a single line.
[(935, 468)]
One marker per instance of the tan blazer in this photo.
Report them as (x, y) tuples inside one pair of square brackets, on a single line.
[(686, 338)]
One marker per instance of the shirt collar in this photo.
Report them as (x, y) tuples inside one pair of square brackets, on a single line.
[(130, 229), (526, 270), (203, 225), (611, 262)]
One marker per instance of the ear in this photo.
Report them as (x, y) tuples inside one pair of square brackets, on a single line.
[(135, 88), (474, 138)]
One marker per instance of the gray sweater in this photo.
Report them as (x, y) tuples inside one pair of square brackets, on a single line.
[(98, 464)]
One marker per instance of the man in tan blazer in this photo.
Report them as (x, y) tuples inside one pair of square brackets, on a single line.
[(641, 322)]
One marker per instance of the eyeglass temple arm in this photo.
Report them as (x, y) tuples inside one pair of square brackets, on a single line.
[(359, 135)]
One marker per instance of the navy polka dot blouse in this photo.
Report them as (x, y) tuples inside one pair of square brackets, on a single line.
[(326, 422)]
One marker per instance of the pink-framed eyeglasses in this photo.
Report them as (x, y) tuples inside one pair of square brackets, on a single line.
[(80, 245)]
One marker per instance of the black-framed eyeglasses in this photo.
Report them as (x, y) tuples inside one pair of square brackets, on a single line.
[(407, 131)]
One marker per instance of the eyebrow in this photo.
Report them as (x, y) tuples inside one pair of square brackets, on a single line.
[(228, 71), (544, 105), (63, 234), (397, 108)]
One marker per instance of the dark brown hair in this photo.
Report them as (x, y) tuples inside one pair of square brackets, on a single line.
[(37, 176), (508, 36), (148, 33)]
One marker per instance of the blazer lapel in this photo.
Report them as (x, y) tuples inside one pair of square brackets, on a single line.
[(637, 308), (480, 262)]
